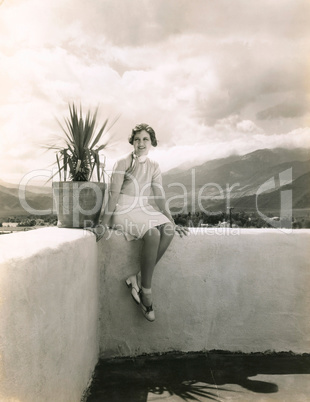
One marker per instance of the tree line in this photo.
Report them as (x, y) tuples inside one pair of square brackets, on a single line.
[(239, 219)]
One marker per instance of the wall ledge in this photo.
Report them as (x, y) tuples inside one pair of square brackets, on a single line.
[(241, 290), (49, 287), (246, 292)]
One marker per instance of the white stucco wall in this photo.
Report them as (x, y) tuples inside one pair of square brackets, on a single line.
[(48, 314), (240, 290), (245, 292)]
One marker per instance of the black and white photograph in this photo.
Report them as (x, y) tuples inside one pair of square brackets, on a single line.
[(154, 200)]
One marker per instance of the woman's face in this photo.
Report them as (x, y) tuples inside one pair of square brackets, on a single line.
[(142, 143)]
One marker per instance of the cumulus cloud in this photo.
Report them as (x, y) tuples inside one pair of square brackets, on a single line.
[(137, 22), (287, 109), (239, 144), (211, 77)]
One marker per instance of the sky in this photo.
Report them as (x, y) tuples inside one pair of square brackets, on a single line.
[(212, 78)]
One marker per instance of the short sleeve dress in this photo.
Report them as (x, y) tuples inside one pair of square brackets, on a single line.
[(133, 178)]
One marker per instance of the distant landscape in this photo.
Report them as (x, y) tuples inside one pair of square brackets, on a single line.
[(219, 184), (249, 171)]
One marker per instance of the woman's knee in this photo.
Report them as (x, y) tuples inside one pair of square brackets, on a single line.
[(152, 234), (168, 230)]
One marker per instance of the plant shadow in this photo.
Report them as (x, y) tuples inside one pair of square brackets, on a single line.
[(190, 377)]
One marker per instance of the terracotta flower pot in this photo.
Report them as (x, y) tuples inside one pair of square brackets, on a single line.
[(78, 203)]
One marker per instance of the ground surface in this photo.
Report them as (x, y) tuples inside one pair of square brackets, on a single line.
[(216, 376)]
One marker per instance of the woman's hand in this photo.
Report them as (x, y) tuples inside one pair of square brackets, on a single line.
[(98, 230), (181, 230)]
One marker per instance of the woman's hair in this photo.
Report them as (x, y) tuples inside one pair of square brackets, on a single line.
[(143, 127)]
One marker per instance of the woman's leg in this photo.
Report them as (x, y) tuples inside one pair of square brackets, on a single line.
[(166, 236), (151, 241), (155, 243)]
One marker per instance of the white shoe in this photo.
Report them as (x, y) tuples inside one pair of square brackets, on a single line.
[(132, 282)]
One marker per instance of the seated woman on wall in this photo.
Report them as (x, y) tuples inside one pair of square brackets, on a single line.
[(128, 209)]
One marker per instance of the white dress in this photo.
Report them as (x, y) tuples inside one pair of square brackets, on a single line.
[(133, 180)]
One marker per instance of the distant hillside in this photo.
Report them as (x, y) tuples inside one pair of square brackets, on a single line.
[(234, 168), (10, 204), (205, 166), (271, 201), (45, 189), (245, 173)]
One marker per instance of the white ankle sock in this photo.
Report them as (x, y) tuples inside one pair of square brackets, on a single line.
[(146, 296), (147, 291)]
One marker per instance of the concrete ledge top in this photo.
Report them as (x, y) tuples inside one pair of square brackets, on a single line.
[(246, 231), (25, 244)]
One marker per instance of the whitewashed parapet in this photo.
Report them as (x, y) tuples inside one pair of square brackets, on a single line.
[(48, 314), (226, 289)]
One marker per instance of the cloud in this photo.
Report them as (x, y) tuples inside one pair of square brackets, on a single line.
[(239, 143), (234, 124), (287, 109), (137, 22), (250, 74), (210, 77)]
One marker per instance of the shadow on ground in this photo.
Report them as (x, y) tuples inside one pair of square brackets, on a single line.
[(191, 377)]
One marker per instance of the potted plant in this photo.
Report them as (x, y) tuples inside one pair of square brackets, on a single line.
[(77, 199)]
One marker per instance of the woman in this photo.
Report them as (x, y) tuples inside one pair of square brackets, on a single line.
[(134, 177)]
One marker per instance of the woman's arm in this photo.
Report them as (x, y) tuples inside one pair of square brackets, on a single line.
[(100, 229), (160, 200), (159, 192), (115, 187), (110, 208), (117, 180)]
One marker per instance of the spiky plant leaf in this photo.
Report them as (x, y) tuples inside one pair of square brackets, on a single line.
[(99, 134), (65, 163), (81, 153), (59, 169)]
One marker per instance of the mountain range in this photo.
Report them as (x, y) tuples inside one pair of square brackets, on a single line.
[(239, 178), (36, 198), (209, 185)]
